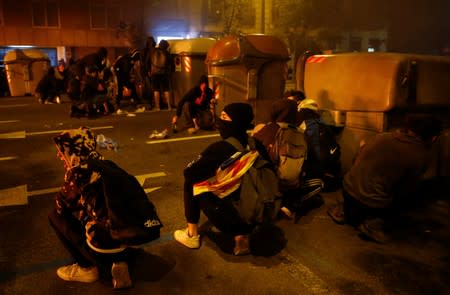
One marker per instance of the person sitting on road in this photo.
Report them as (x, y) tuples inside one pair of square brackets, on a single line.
[(385, 174), (235, 119), (195, 105), (99, 212)]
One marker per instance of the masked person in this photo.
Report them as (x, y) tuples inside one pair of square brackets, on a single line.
[(234, 120), (99, 212)]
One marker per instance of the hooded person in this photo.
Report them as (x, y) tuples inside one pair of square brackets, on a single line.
[(195, 105), (90, 218), (234, 121)]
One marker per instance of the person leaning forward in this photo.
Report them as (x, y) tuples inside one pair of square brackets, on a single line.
[(234, 120)]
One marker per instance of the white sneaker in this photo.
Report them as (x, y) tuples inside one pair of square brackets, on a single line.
[(120, 275), (76, 273), (140, 110), (182, 236), (58, 100), (120, 112)]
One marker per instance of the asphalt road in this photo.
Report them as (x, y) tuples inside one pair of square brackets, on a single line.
[(310, 256)]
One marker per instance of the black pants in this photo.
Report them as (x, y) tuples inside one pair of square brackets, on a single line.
[(220, 212), (72, 235), (356, 212)]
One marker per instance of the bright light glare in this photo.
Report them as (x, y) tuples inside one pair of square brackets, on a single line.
[(21, 46), (159, 38), (370, 49)]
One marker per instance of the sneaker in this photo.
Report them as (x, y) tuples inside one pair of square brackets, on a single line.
[(288, 213), (373, 229), (58, 100), (120, 275), (140, 110), (192, 130), (336, 212), (120, 112), (241, 245), (182, 236), (76, 273), (48, 102)]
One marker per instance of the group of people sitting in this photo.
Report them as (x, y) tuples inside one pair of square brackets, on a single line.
[(92, 221)]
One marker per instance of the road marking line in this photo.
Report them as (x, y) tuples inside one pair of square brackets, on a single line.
[(23, 134), (182, 138), (59, 131), (9, 121), (141, 178), (14, 196), (12, 135), (19, 195), (14, 105), (7, 158)]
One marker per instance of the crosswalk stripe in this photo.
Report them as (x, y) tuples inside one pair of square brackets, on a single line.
[(13, 135)]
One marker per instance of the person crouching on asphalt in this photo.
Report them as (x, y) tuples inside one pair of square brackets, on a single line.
[(90, 216), (384, 176), (196, 105), (234, 121)]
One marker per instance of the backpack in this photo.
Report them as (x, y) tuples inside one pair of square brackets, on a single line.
[(159, 61), (330, 150), (259, 198), (288, 152)]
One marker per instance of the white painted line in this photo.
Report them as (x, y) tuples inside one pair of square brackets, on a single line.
[(19, 195), (59, 131), (12, 135), (151, 189), (9, 121), (13, 105), (44, 191), (141, 178), (7, 158), (14, 196), (182, 138)]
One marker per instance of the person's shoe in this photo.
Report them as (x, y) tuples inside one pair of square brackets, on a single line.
[(192, 130), (58, 100), (48, 102), (76, 273), (140, 109), (336, 212), (182, 237), (120, 275), (120, 112), (241, 245), (373, 229), (288, 213)]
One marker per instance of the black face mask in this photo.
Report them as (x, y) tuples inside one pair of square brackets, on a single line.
[(226, 128)]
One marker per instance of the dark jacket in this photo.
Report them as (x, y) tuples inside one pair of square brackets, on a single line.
[(191, 97), (102, 193), (387, 167)]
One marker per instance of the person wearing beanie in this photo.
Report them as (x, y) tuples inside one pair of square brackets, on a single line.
[(196, 106), (234, 121), (99, 211), (385, 176)]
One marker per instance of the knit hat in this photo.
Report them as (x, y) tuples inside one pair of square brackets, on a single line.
[(308, 103), (241, 114)]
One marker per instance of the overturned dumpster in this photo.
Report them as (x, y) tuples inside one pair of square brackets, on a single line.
[(189, 63), (248, 68), (24, 69)]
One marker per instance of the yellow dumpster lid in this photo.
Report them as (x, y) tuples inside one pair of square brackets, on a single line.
[(195, 46), (24, 55), (233, 48)]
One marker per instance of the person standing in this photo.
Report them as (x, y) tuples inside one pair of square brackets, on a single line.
[(161, 68)]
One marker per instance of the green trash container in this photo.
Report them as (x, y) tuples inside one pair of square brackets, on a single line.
[(24, 69)]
